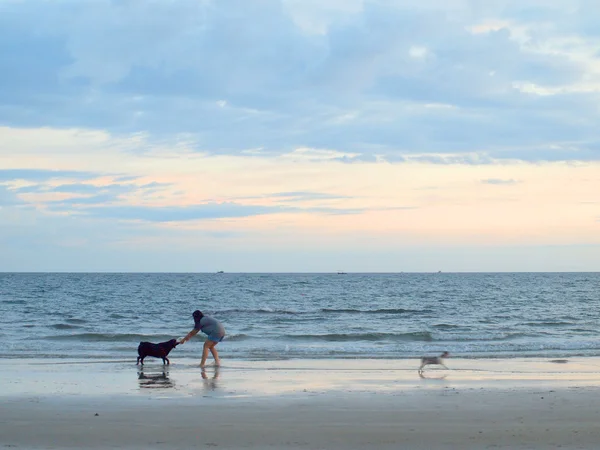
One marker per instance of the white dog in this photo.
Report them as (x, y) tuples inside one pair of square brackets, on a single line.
[(427, 360)]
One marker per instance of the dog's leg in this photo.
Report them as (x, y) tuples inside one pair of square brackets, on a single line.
[(142, 360), (168, 362), (138, 361)]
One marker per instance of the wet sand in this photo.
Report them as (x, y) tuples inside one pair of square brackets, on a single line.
[(319, 404)]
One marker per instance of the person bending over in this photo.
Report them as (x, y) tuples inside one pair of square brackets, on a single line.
[(213, 329)]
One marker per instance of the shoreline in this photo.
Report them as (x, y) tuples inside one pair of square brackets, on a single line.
[(351, 404), (281, 377)]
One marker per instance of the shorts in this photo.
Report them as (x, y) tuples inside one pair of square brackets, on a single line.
[(215, 337)]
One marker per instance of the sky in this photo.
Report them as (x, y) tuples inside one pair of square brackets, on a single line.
[(300, 135)]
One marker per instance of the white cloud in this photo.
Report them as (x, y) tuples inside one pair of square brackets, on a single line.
[(417, 52), (489, 26), (233, 78), (316, 17), (313, 154)]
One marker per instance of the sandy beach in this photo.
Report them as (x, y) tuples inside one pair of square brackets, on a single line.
[(313, 404)]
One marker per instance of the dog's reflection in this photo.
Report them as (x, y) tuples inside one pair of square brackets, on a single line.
[(441, 377), (211, 383), (155, 380)]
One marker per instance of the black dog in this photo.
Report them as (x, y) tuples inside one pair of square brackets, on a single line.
[(156, 350)]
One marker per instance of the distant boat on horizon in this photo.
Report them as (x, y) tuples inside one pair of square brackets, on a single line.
[(341, 272), (220, 271)]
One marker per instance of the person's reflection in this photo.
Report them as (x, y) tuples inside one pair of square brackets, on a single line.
[(157, 380), (210, 383)]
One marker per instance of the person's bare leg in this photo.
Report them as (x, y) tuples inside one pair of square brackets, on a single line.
[(205, 350), (209, 346), (215, 354)]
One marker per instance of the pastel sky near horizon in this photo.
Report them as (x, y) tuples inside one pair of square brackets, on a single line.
[(300, 135)]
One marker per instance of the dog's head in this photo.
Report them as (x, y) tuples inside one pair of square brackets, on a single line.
[(170, 345)]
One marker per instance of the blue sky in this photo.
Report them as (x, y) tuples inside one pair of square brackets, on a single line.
[(299, 135)]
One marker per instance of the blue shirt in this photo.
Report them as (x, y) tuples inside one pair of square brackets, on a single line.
[(209, 326)]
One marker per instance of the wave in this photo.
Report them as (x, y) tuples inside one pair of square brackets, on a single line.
[(64, 326), (124, 337), (117, 316), (489, 337), (549, 323), (446, 326), (342, 337), (76, 321), (266, 311), (416, 336), (583, 330), (374, 311), (110, 337), (237, 337), (262, 310)]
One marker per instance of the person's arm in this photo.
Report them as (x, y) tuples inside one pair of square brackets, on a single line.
[(188, 336)]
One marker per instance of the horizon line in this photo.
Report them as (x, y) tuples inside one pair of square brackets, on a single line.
[(297, 273)]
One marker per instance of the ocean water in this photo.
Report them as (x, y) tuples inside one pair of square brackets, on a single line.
[(306, 316)]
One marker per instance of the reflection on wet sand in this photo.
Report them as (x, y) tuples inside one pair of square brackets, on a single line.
[(155, 380), (211, 383), (441, 377)]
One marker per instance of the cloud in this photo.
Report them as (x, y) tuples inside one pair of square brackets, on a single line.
[(7, 197), (357, 77), (41, 175), (78, 188), (72, 203), (162, 214), (306, 196), (94, 207), (499, 181), (157, 202)]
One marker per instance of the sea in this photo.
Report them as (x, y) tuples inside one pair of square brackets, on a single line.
[(103, 316)]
